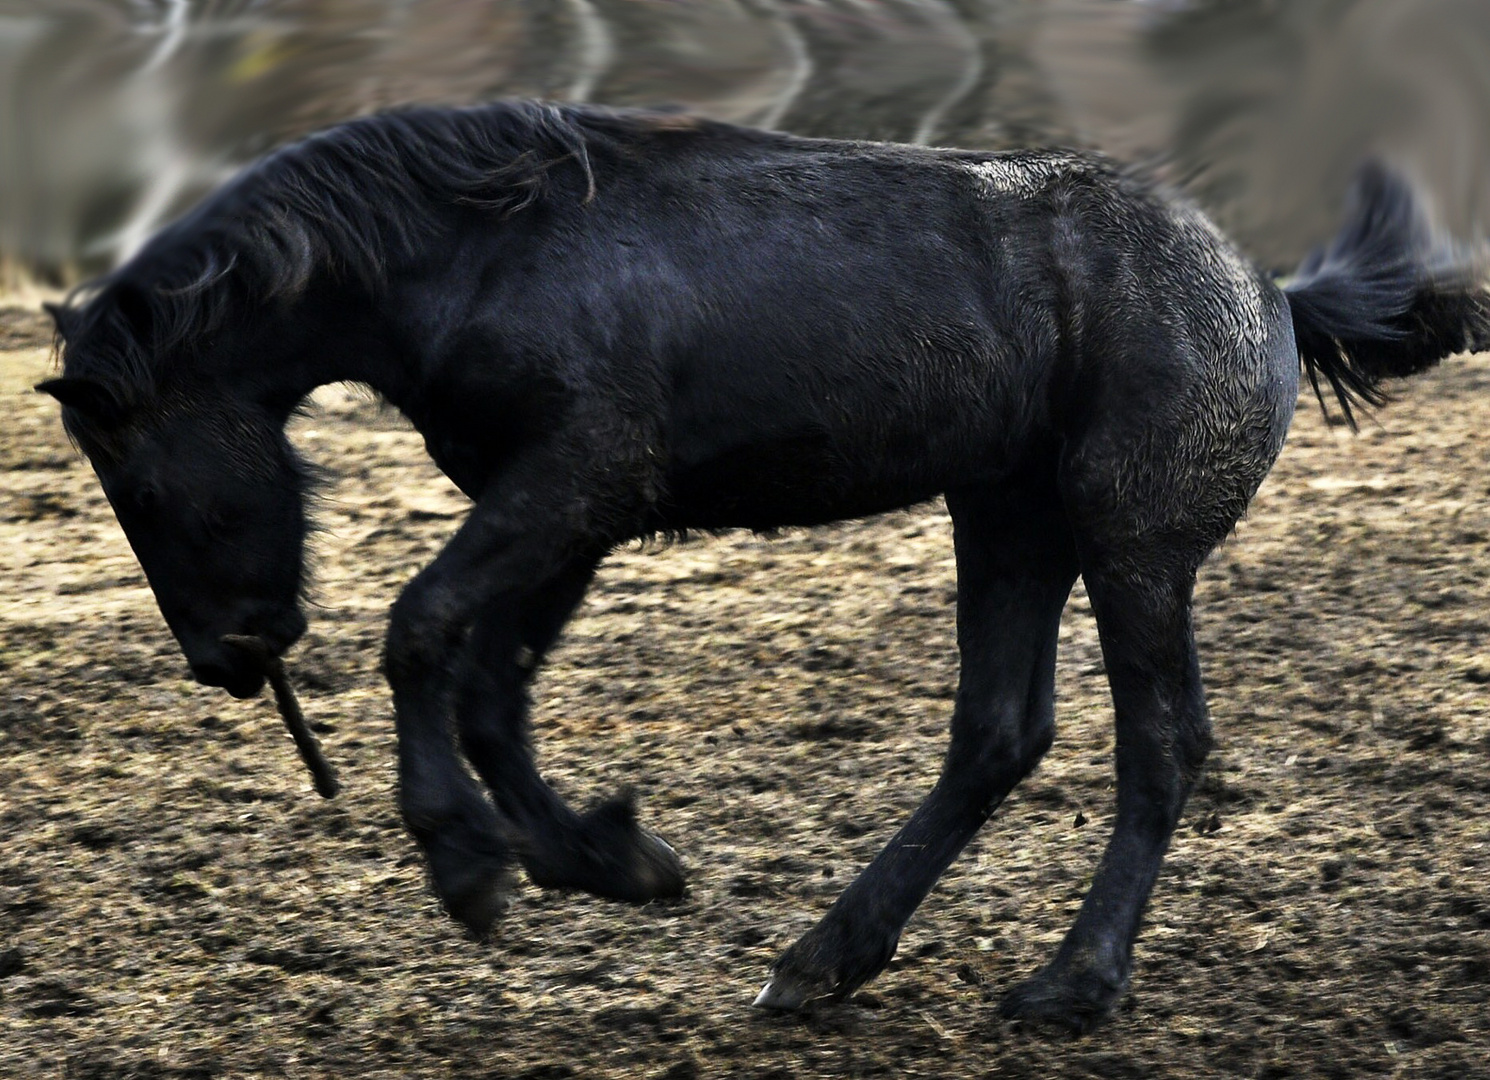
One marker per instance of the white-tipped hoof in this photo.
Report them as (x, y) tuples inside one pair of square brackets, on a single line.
[(668, 851), (781, 994)]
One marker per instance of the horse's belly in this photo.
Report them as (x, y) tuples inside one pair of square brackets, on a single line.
[(801, 482), (790, 445)]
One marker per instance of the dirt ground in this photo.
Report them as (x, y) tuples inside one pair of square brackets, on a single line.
[(175, 901)]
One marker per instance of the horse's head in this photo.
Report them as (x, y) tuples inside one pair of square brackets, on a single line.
[(211, 496)]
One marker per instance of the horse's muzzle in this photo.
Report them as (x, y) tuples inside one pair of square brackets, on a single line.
[(238, 675), (238, 662)]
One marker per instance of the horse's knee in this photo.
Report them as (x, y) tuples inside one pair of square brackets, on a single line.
[(423, 629)]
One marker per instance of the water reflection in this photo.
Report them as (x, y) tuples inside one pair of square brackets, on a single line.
[(117, 114)]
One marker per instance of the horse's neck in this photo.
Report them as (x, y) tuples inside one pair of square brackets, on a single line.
[(327, 338)]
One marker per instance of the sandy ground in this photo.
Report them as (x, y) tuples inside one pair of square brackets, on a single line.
[(175, 901)]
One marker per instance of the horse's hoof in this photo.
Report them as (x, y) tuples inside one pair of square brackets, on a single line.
[(480, 905), (829, 962), (782, 994), (658, 870), (1075, 1001), (629, 863), (611, 856)]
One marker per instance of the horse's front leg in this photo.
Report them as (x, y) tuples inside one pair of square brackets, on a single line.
[(466, 631), (603, 852), (468, 846)]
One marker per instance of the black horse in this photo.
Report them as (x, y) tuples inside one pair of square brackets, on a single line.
[(615, 324)]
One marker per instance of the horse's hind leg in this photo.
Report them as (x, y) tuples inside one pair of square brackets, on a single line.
[(1015, 568), (1163, 735), (603, 852), (1149, 496)]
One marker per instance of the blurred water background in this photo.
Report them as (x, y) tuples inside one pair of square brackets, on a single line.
[(115, 115)]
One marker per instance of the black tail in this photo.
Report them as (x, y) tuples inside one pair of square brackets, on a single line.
[(1386, 298)]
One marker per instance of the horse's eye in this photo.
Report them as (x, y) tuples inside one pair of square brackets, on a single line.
[(147, 497)]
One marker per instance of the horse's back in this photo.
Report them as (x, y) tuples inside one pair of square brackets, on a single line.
[(1019, 304)]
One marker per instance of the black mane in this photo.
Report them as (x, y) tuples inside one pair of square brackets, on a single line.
[(348, 202)]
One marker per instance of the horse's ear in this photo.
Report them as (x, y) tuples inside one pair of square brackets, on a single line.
[(95, 400), (63, 317)]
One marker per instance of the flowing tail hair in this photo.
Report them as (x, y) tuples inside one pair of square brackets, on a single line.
[(1386, 298)]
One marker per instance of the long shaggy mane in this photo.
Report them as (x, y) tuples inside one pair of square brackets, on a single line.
[(348, 202)]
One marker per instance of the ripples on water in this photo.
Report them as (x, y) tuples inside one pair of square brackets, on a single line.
[(117, 114)]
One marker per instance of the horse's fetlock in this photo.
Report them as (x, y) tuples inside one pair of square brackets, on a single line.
[(1035, 743), (999, 741)]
